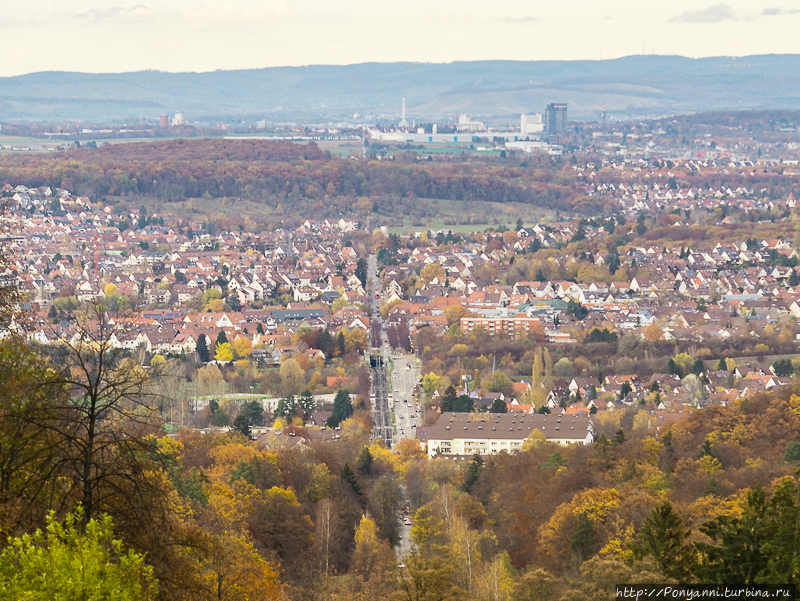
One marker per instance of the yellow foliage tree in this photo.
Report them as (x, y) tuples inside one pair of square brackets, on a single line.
[(431, 271), (355, 339), (653, 333), (338, 304), (316, 381), (369, 549), (593, 506), (223, 352), (408, 450), (534, 439), (621, 539), (242, 347), (215, 306), (382, 454), (232, 570), (494, 580), (385, 308), (642, 421), (652, 450), (794, 404), (455, 313), (292, 376)]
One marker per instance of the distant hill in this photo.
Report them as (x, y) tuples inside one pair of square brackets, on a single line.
[(631, 86)]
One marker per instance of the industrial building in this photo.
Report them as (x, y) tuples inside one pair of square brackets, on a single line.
[(531, 124)]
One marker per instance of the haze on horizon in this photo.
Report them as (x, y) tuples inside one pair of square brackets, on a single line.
[(206, 35)]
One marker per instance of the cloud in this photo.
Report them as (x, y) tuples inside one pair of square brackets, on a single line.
[(439, 16), (520, 20), (712, 14), (215, 13), (776, 12), (115, 13)]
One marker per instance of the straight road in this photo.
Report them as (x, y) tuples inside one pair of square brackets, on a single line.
[(402, 383), (405, 397)]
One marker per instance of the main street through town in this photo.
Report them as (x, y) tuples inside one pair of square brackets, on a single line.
[(404, 399), (403, 394)]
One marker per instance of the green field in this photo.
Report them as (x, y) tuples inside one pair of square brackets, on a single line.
[(35, 144), (454, 210), (443, 214)]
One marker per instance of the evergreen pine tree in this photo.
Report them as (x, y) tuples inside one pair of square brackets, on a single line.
[(738, 553), (240, 424), (449, 399), (349, 476), (583, 540), (463, 404), (473, 472), (364, 461), (783, 544), (342, 408), (498, 406), (672, 368), (202, 349), (286, 406), (326, 343), (361, 271), (663, 537), (306, 403), (706, 449)]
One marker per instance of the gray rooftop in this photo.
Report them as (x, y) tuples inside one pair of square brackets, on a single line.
[(510, 426)]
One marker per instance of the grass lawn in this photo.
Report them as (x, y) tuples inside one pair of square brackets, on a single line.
[(454, 210), (443, 210)]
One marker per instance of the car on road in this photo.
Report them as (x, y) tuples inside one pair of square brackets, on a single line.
[(407, 522)]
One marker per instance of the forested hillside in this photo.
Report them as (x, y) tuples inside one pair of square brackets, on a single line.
[(275, 172), (639, 84)]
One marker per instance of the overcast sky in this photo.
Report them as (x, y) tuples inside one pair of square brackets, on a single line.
[(204, 35)]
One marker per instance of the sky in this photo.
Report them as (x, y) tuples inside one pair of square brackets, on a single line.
[(206, 35)]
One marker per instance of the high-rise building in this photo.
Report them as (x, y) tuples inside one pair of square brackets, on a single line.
[(531, 124), (555, 118), (164, 121)]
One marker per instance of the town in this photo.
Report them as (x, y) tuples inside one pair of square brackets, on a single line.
[(296, 332), (248, 299)]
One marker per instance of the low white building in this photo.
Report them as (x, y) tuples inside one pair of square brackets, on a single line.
[(467, 434)]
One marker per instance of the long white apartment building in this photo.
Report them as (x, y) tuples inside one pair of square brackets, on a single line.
[(468, 434)]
